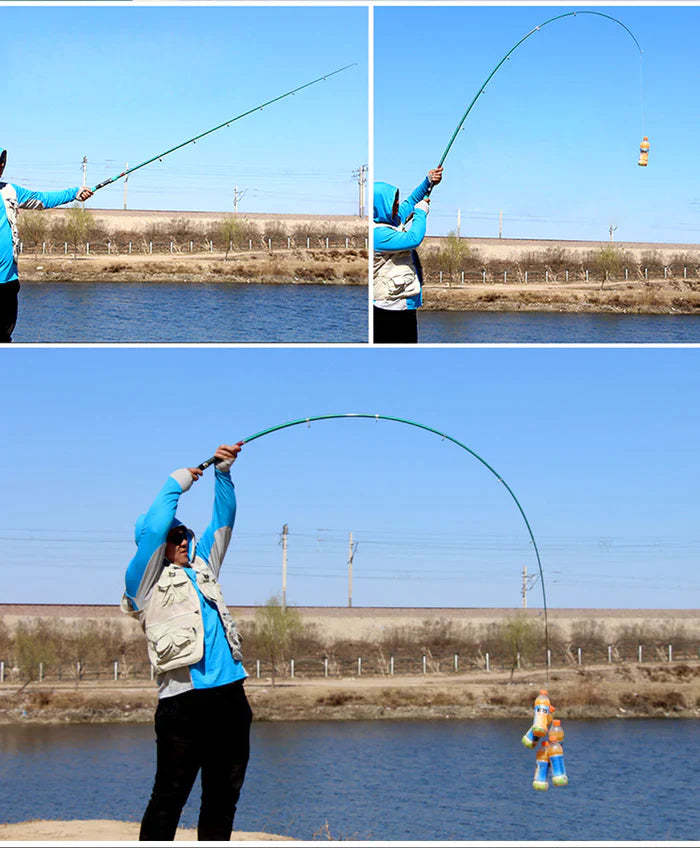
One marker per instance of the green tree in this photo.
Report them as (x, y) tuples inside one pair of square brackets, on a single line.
[(232, 232), (608, 262), (519, 635), (276, 629), (78, 223), (455, 253)]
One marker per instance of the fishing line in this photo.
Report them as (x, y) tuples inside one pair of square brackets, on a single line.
[(220, 126), (515, 47), (202, 466)]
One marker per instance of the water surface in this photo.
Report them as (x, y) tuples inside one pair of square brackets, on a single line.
[(556, 328), (386, 780), (191, 313)]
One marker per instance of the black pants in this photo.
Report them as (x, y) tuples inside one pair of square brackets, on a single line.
[(395, 326), (8, 310), (207, 729)]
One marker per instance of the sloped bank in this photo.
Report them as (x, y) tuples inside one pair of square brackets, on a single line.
[(626, 691), (336, 266)]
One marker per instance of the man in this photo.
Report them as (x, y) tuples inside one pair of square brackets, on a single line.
[(203, 718), (397, 275), (14, 198)]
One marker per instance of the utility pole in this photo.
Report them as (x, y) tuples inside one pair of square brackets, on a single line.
[(285, 531), (351, 553), (611, 231), (459, 221), (500, 223), (126, 181), (524, 589), (361, 175), (237, 195)]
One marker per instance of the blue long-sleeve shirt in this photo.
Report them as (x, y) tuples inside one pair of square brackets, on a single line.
[(14, 198), (217, 666), (387, 239)]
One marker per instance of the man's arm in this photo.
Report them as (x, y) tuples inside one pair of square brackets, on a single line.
[(215, 539), (388, 239), (144, 569), (27, 199), (418, 193)]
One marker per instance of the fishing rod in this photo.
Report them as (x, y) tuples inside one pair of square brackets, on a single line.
[(202, 466), (482, 88), (228, 123)]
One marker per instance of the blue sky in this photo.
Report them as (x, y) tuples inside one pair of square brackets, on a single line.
[(599, 446), (123, 84), (553, 142)]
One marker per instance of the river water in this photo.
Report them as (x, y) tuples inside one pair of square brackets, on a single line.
[(442, 780), (191, 313), (555, 328)]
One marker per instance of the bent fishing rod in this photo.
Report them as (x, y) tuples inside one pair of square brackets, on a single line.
[(488, 79), (228, 123), (212, 459)]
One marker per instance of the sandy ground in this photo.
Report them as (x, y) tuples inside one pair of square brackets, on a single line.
[(102, 830)]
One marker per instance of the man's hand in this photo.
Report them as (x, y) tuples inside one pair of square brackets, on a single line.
[(226, 455), (196, 473), (435, 176), (424, 205), (84, 193)]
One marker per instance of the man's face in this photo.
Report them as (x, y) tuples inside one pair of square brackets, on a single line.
[(176, 546), (395, 208)]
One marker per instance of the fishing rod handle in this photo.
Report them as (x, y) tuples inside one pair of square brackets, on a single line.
[(212, 459)]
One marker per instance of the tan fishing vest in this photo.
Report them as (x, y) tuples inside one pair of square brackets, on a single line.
[(395, 275), (172, 617)]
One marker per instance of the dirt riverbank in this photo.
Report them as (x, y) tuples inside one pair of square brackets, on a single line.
[(659, 690), (335, 266), (654, 297)]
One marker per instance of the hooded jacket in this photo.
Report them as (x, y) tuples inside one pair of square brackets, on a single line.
[(397, 273), (14, 198), (192, 640)]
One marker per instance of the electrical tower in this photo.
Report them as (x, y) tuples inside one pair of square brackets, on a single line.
[(351, 555), (285, 531), (361, 176), (237, 195)]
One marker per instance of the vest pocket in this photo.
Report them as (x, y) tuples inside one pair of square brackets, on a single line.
[(176, 642)]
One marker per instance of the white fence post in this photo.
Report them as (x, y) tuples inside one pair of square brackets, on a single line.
[(670, 653), (291, 668), (325, 666), (518, 661), (456, 661), (109, 247), (579, 656), (639, 653), (359, 666), (609, 653), (488, 664), (129, 247), (43, 247), (116, 669), (391, 666), (41, 671), (65, 247), (150, 247), (549, 658), (424, 664), (2, 672), (257, 668), (87, 248)]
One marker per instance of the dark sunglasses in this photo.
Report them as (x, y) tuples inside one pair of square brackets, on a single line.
[(176, 535)]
